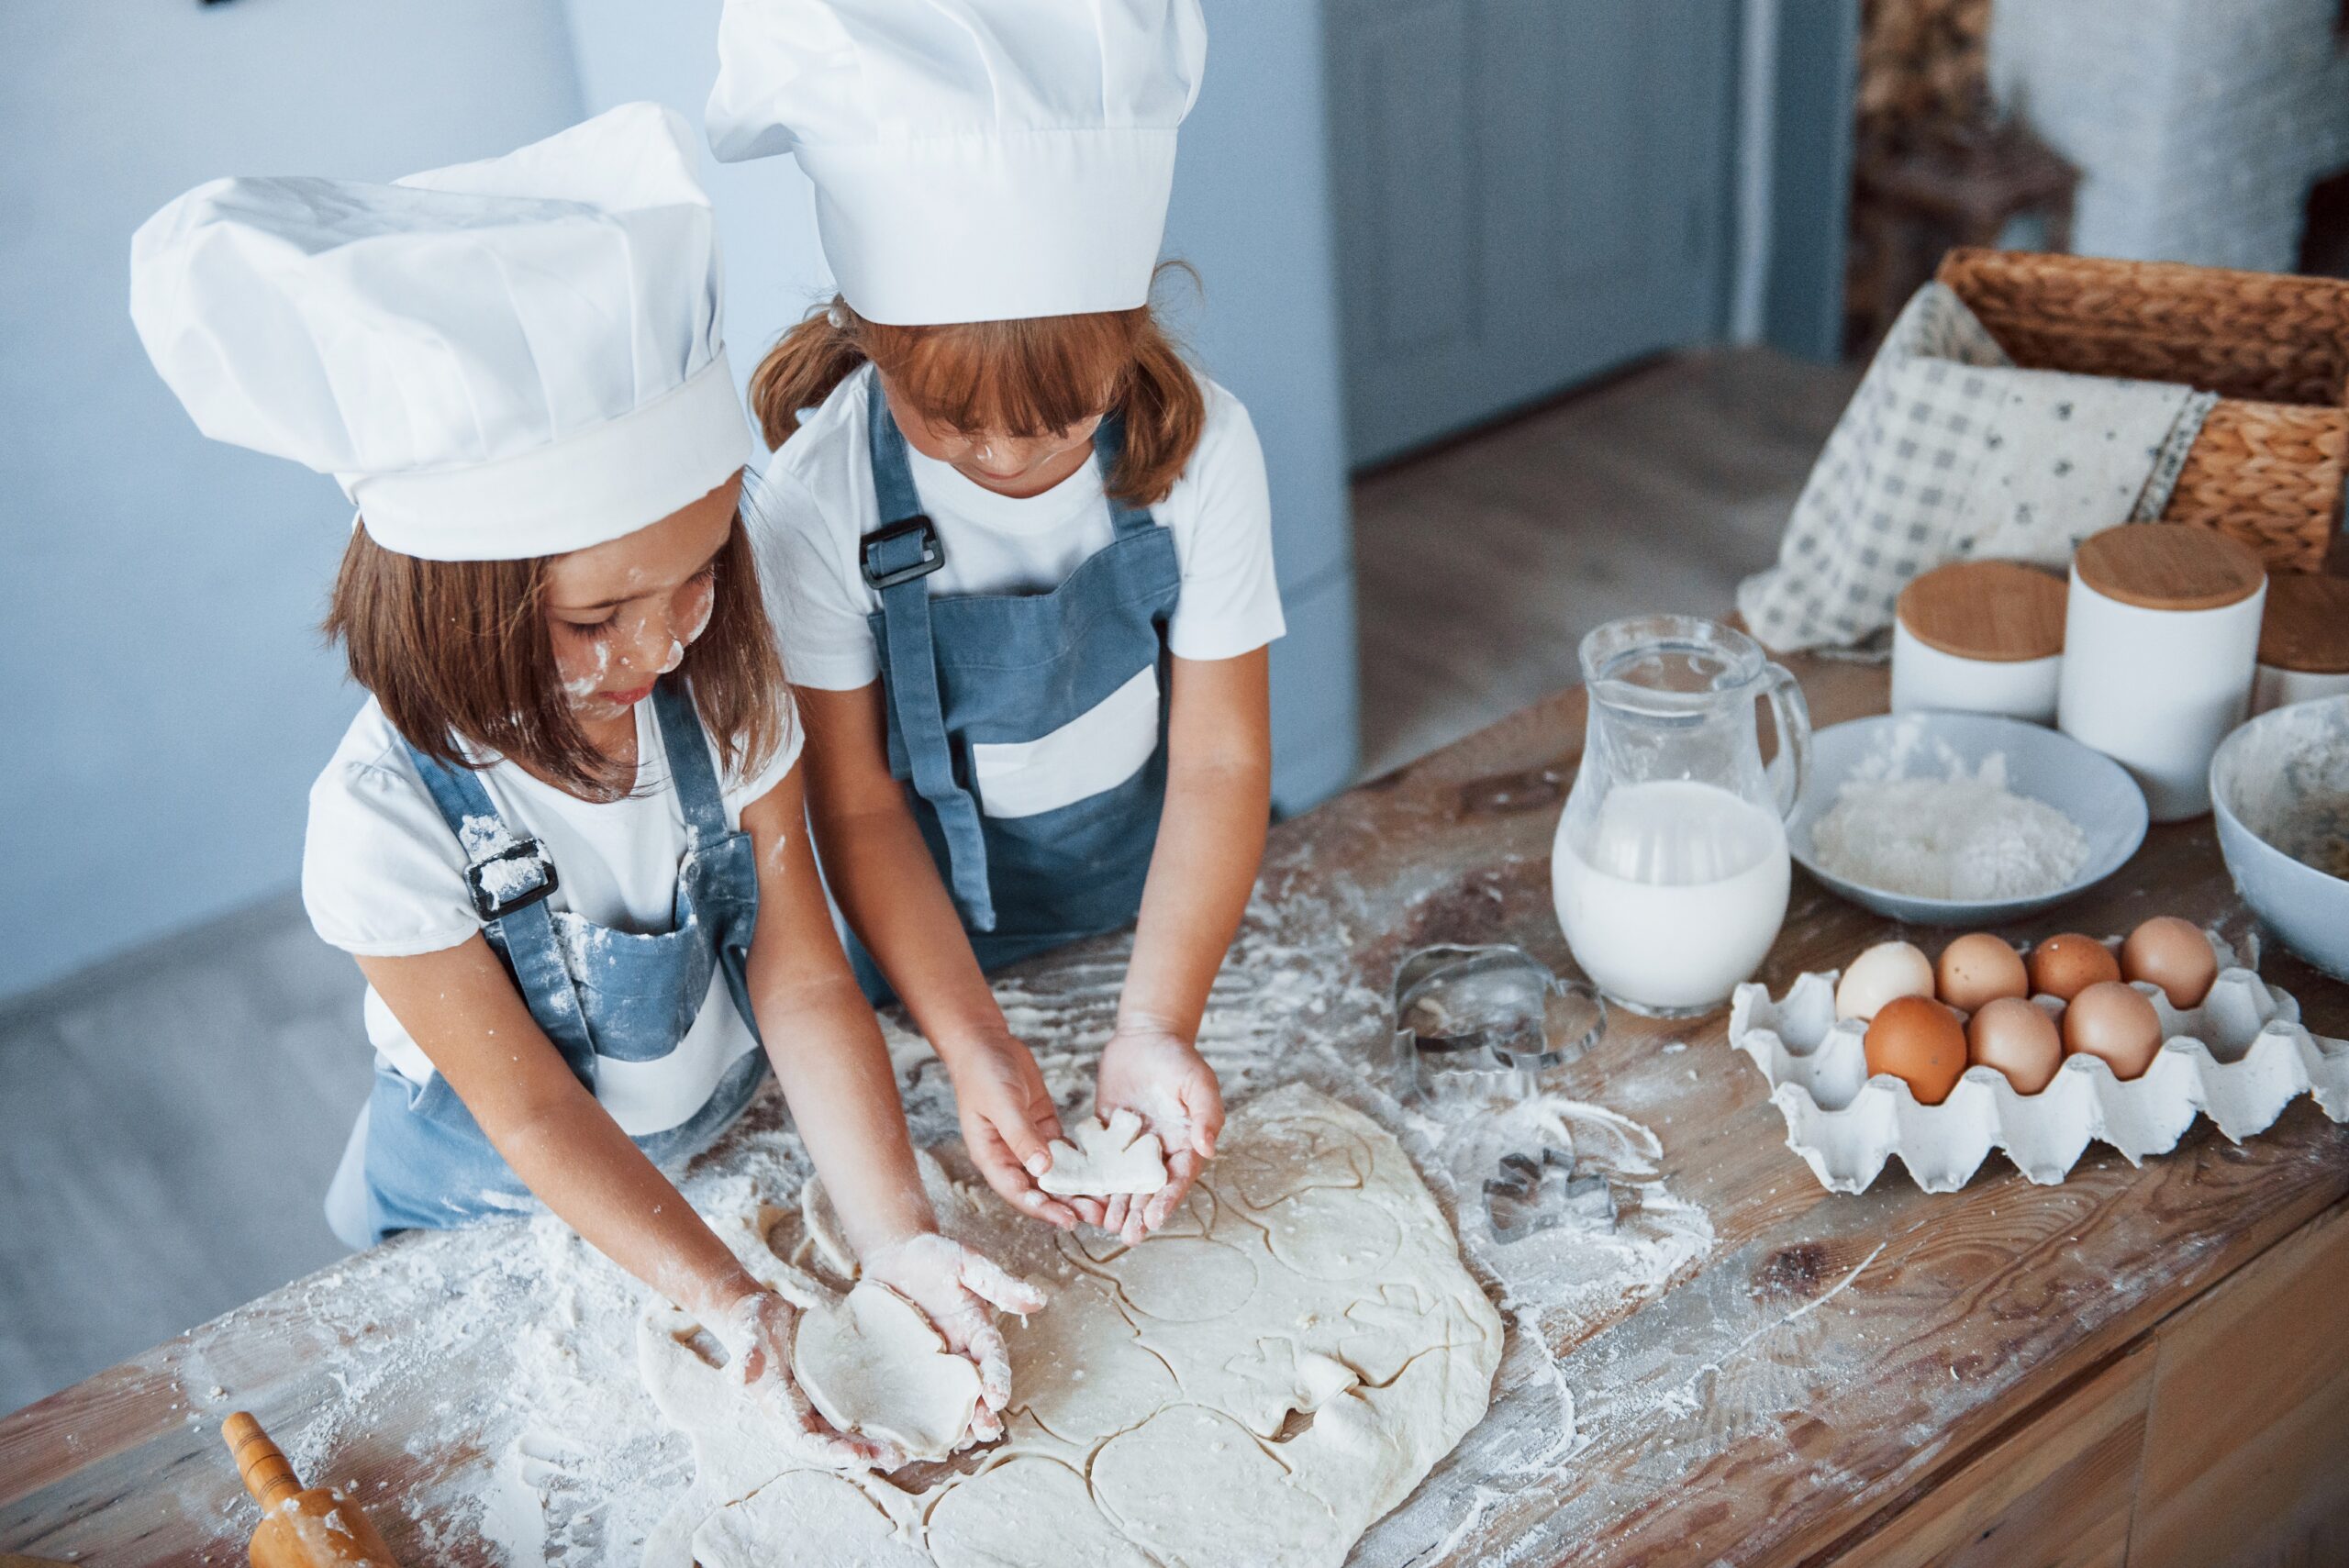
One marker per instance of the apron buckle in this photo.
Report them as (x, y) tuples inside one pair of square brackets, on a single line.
[(515, 878), (887, 561)]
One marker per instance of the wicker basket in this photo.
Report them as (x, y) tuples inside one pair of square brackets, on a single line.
[(2268, 468)]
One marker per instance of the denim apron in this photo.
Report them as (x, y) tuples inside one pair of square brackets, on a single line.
[(620, 996), (969, 669)]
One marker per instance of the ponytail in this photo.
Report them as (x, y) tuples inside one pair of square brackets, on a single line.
[(803, 368)]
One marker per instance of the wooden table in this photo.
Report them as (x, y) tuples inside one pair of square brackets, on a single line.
[(2139, 1367)]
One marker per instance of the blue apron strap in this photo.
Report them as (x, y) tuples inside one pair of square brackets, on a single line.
[(690, 770), (508, 878), (897, 556), (1108, 445)]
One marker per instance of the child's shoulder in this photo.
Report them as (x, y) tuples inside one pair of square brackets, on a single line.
[(812, 484), (1227, 423), (371, 751)]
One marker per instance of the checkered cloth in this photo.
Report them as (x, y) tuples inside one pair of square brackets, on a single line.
[(1949, 452)]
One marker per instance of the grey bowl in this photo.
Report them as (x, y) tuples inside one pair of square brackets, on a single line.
[(2086, 786), (2263, 775)]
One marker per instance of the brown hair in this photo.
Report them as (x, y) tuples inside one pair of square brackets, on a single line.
[(459, 653), (1026, 378)]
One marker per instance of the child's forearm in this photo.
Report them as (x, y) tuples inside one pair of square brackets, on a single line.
[(834, 1070), (881, 872), (460, 1007), (594, 1178), (890, 890), (1210, 842), (823, 1039)]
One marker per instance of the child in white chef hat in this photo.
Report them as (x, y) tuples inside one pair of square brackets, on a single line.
[(563, 837), (1023, 552)]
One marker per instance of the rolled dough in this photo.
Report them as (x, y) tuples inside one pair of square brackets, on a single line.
[(872, 1364), (1106, 1160), (1156, 1401)]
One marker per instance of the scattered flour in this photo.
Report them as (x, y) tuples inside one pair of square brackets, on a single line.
[(1963, 837), (511, 1375)]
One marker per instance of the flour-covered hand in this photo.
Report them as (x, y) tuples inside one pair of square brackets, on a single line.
[(960, 1290), (1161, 1077), (1008, 1123), (756, 1333)]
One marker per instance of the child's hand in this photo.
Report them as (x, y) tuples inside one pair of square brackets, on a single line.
[(1161, 1078), (960, 1290), (1008, 1120), (757, 1332)]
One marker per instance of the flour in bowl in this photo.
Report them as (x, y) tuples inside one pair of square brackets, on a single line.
[(1964, 837)]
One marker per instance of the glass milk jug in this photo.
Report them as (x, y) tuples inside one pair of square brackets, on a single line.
[(1670, 868)]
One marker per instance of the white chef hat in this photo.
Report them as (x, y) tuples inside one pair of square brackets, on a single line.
[(505, 359), (973, 159)]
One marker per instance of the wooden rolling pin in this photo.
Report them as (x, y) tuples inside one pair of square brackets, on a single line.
[(300, 1527)]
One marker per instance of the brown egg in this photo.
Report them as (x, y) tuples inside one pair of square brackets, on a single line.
[(2113, 1020), (2019, 1038), (1918, 1042), (2063, 966), (1979, 968), (2173, 954)]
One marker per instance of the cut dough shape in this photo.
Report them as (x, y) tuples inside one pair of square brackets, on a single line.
[(1156, 1401), (1184, 1280), (826, 1518), (991, 1521), (1298, 1156), (1196, 1488), (1078, 1370), (1105, 1161), (1327, 1233), (872, 1364)]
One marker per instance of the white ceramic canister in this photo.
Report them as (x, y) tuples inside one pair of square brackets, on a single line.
[(2303, 641), (2161, 638), (1979, 636)]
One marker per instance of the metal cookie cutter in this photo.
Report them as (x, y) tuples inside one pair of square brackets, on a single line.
[(1535, 1193), (1476, 1024)]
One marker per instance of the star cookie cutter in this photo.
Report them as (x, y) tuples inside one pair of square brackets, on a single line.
[(1535, 1192)]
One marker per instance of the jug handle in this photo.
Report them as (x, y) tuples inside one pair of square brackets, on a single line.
[(1791, 711)]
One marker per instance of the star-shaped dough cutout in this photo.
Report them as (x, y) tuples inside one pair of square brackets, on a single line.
[(1119, 1158)]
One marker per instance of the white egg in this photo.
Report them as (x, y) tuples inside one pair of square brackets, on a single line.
[(1886, 971)]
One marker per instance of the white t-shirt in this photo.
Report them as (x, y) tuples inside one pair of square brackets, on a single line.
[(814, 502), (383, 877)]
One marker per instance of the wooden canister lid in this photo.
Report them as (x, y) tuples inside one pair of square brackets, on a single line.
[(2169, 566), (1998, 612), (2305, 624)]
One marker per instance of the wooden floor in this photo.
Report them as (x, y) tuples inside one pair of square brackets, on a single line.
[(1479, 567), (168, 1121)]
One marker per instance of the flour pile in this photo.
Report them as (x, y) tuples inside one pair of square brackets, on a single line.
[(1963, 836)]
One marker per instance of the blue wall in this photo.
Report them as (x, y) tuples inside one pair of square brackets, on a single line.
[(166, 701), (1253, 213), (1250, 212)]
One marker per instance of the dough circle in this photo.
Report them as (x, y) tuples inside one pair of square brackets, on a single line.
[(872, 1364)]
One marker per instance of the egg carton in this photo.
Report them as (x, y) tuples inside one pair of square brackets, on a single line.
[(2241, 1057)]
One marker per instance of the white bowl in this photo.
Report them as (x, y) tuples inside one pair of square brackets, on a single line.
[(2263, 773), (2045, 764)]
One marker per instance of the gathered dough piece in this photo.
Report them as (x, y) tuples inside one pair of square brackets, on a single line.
[(872, 1364), (1104, 1160), (1154, 1401)]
